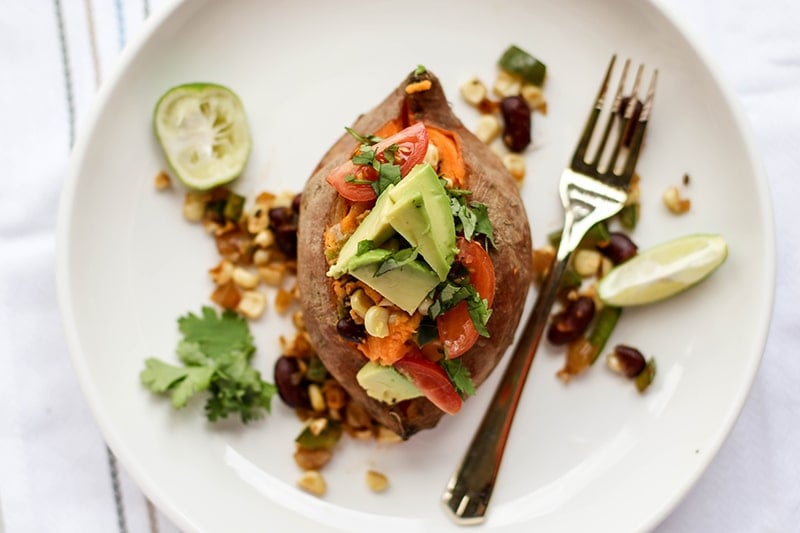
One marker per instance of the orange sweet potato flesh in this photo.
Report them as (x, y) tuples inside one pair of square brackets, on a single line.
[(485, 175)]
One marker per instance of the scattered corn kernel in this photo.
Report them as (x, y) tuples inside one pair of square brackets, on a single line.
[(162, 181), (222, 273), (312, 459), (283, 299), (473, 91), (252, 304), (515, 164), (261, 257), (245, 278), (387, 436), (316, 398), (634, 190), (318, 425), (312, 482), (488, 128), (605, 266), (258, 220), (194, 206), (506, 84), (674, 202), (376, 321), (533, 95), (586, 262), (542, 259), (298, 321), (264, 239), (376, 481), (272, 274)]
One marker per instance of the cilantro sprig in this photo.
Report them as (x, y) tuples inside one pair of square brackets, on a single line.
[(216, 352), (459, 375), (451, 292), (471, 218)]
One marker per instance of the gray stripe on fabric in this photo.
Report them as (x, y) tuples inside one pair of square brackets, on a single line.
[(62, 40), (115, 486), (87, 4), (146, 6)]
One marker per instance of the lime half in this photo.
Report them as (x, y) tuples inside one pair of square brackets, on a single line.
[(663, 270), (203, 131)]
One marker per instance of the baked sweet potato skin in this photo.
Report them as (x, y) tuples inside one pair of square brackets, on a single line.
[(490, 183)]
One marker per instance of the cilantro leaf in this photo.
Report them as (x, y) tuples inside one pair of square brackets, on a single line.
[(217, 335), (364, 139), (396, 260), (459, 375), (450, 294), (216, 352), (471, 218), (364, 246), (483, 226), (420, 70), (387, 175)]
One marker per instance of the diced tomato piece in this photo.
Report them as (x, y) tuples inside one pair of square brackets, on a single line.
[(412, 145), (432, 381), (456, 331)]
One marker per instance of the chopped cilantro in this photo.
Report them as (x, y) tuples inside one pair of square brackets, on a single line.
[(471, 218), (387, 175), (459, 375), (396, 260), (364, 246), (450, 294), (216, 352), (364, 139), (420, 70), (427, 331)]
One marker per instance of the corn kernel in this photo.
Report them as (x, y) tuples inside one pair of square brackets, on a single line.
[(318, 425), (316, 398), (258, 220), (264, 239), (222, 273), (432, 155), (360, 302), (515, 164), (272, 274), (261, 257), (674, 202), (376, 321), (312, 482), (283, 300), (586, 262), (488, 128), (162, 181), (387, 436), (194, 206), (244, 278), (533, 95), (473, 91), (376, 481), (506, 84), (252, 304), (312, 459)]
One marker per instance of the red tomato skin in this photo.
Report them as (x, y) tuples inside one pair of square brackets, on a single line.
[(413, 144), (432, 381), (456, 331)]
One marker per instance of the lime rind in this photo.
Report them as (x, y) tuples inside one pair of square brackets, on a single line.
[(203, 132), (663, 271)]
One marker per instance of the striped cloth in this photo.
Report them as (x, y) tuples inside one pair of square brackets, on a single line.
[(56, 473)]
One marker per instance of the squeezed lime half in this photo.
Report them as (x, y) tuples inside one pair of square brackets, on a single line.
[(663, 271), (203, 131)]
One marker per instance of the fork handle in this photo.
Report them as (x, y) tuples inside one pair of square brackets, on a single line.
[(469, 490)]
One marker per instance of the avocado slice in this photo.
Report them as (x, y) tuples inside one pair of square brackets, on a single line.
[(386, 384), (421, 214), (405, 286), (375, 227)]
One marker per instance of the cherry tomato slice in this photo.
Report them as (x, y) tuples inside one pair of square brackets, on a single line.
[(456, 331), (432, 381), (412, 144)]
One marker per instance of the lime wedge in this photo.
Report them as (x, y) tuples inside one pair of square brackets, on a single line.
[(203, 131), (663, 270)]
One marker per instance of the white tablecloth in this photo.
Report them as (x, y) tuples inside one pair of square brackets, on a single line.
[(56, 473)]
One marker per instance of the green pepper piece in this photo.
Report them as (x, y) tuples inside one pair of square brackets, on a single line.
[(519, 62), (646, 376), (629, 216), (597, 233), (604, 324), (325, 440), (234, 206)]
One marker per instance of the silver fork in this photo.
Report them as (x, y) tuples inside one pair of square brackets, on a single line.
[(591, 191)]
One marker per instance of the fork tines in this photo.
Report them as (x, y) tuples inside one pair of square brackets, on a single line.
[(627, 121)]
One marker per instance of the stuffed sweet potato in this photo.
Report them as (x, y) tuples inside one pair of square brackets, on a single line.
[(473, 283)]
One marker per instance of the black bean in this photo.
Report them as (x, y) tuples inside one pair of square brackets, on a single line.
[(572, 322), (286, 239), (626, 360), (619, 247), (517, 119), (296, 201), (280, 216), (289, 380), (350, 331)]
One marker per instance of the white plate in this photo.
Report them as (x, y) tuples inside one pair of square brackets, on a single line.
[(594, 454)]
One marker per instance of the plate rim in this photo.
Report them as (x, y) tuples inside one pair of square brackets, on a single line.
[(79, 362)]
